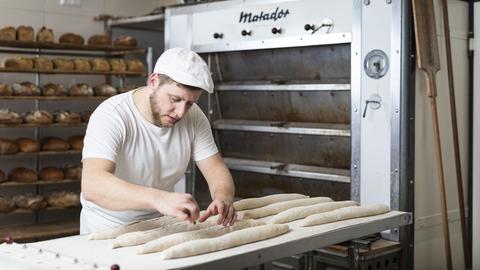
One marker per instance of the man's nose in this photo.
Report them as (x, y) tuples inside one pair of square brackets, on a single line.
[(180, 110)]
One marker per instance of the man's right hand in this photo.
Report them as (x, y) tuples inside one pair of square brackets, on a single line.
[(180, 205)]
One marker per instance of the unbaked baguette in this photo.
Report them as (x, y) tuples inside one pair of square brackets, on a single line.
[(276, 208), (304, 211), (251, 203), (345, 213)]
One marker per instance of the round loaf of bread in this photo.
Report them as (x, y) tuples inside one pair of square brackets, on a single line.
[(38, 117), (135, 65), (42, 63), (76, 142), (73, 172), (18, 62), (8, 33), (6, 204), (51, 174), (30, 201), (67, 117), (54, 89), (63, 64), (3, 177), (24, 175), (81, 64), (25, 33), (5, 90), (45, 35), (8, 116), (8, 146), (25, 89), (71, 38), (127, 88), (105, 90), (80, 89), (118, 65), (125, 41), (100, 64), (27, 145), (54, 144), (85, 115), (100, 40), (63, 199)]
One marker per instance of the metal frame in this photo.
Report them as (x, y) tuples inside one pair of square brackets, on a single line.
[(476, 146), (252, 86)]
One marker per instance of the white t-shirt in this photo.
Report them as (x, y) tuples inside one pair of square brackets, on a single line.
[(144, 154)]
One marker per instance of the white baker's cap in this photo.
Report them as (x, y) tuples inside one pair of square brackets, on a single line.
[(186, 67)]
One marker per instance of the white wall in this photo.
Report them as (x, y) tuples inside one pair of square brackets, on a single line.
[(429, 248)]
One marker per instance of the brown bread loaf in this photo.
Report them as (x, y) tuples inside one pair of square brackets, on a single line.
[(8, 116), (85, 115), (45, 35), (73, 172), (67, 117), (125, 41), (42, 63), (80, 89), (135, 65), (8, 33), (76, 142), (51, 174), (5, 90), (25, 33), (3, 177), (24, 175), (105, 90), (118, 65), (71, 38), (63, 199), (81, 65), (6, 204), (39, 117), (8, 146), (100, 40), (63, 64), (30, 201), (53, 89), (27, 145), (100, 64), (54, 144), (26, 89), (18, 62)]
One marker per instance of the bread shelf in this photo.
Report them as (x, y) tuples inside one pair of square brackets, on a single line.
[(34, 232), (15, 184), (41, 71), (99, 98), (40, 126), (43, 153), (48, 208)]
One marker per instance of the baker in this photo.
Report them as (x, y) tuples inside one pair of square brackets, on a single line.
[(138, 145)]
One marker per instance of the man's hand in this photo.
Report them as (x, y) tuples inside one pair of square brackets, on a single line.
[(180, 205), (224, 209)]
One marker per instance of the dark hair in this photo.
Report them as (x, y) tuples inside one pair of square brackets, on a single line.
[(164, 79)]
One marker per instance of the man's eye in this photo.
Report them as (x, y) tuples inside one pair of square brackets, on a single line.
[(175, 99)]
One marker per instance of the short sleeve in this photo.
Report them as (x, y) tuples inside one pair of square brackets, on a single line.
[(104, 135), (203, 143)]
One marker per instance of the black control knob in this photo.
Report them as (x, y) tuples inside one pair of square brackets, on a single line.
[(276, 30), (246, 32), (309, 26), (217, 35)]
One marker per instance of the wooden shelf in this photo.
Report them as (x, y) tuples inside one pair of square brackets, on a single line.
[(39, 126), (14, 184), (99, 98), (48, 208), (35, 232), (42, 71), (44, 153)]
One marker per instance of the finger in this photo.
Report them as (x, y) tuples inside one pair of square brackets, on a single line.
[(230, 216), (235, 218), (221, 212), (180, 214), (206, 214), (192, 210)]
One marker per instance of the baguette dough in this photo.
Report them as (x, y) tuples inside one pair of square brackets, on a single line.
[(345, 213), (229, 240), (278, 207), (168, 241), (133, 227), (304, 211), (262, 201)]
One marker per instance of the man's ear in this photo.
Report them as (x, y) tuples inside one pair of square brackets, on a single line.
[(153, 80)]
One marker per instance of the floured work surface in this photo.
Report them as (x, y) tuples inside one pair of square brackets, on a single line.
[(77, 252)]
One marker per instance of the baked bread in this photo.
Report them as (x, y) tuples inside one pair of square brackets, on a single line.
[(27, 145), (8, 116), (42, 63), (54, 144), (6, 204), (25, 33), (71, 38), (39, 117), (127, 88), (5, 90), (63, 64), (118, 65), (76, 142), (45, 35), (8, 146), (54, 89), (3, 177), (51, 174), (135, 65), (105, 90), (24, 175), (67, 117), (63, 199), (85, 115), (80, 89), (73, 172), (25, 89), (125, 41), (100, 40), (81, 64), (8, 33), (30, 201), (100, 64), (18, 62)]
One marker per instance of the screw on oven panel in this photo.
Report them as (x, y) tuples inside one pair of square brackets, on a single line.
[(276, 30), (246, 32), (217, 35)]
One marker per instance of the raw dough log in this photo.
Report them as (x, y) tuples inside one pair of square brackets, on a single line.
[(229, 240), (142, 225), (266, 200), (162, 243), (305, 211), (276, 208), (345, 213)]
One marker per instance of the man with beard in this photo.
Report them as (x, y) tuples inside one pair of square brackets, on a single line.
[(138, 145)]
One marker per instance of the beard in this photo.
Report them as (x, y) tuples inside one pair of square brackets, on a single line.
[(157, 114)]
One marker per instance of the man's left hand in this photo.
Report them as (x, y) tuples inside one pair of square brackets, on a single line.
[(224, 209)]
